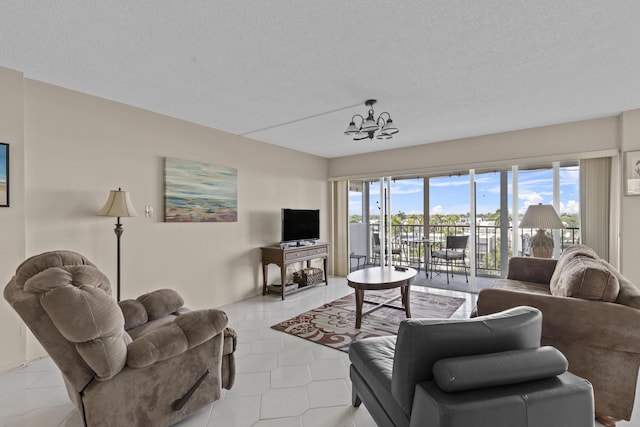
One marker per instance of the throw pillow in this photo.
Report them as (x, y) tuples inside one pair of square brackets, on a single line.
[(586, 278), (567, 255)]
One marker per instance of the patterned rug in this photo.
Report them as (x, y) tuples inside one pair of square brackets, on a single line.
[(333, 324)]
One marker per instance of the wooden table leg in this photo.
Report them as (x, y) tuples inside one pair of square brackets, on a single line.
[(265, 269), (283, 279), (606, 420), (405, 291), (359, 302), (324, 263)]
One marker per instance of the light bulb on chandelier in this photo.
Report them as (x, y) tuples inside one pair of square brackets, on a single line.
[(371, 127)]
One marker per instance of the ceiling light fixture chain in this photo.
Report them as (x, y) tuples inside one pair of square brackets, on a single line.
[(370, 127)]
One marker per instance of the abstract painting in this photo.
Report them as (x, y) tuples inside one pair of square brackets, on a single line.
[(198, 192), (4, 175)]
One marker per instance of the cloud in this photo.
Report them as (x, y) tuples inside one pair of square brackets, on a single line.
[(571, 207), (437, 210), (531, 198)]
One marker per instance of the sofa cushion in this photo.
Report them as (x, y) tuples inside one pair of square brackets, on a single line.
[(522, 286), (567, 255), (586, 278)]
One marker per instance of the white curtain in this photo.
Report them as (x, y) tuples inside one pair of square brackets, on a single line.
[(340, 232), (595, 204)]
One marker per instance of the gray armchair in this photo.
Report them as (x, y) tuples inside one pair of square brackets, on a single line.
[(488, 371), (143, 362)]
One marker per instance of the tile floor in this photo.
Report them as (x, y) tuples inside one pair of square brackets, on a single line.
[(281, 381)]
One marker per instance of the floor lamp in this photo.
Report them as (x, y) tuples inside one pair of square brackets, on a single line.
[(118, 205), (541, 217)]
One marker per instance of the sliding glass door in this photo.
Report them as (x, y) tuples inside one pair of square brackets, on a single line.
[(398, 220)]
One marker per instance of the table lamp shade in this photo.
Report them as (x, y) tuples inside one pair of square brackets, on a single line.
[(118, 204), (541, 217)]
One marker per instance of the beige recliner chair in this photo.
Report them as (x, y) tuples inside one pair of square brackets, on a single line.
[(143, 362)]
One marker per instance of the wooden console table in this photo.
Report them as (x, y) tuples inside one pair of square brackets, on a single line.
[(286, 256)]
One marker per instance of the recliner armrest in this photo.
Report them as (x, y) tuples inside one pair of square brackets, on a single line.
[(150, 306), (498, 369), (187, 331)]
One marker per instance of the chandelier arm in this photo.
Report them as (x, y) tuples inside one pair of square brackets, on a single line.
[(357, 115)]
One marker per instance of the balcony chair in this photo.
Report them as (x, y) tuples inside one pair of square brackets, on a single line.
[(453, 255), (489, 371), (143, 362), (395, 252)]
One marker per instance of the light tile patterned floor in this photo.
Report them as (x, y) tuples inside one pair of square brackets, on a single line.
[(281, 381)]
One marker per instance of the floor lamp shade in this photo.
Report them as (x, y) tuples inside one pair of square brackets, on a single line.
[(541, 217), (118, 205)]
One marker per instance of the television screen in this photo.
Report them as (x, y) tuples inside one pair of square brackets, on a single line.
[(300, 224)]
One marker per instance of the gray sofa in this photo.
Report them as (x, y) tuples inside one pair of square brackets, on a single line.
[(489, 371), (590, 312), (145, 362)]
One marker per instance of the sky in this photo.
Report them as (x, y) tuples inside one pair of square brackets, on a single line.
[(450, 195)]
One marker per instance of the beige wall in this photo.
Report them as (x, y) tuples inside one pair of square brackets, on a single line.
[(78, 147), (12, 221)]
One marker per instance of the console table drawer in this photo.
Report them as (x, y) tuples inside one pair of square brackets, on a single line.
[(288, 256), (317, 251)]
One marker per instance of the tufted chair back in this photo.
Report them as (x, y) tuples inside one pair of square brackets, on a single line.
[(67, 303)]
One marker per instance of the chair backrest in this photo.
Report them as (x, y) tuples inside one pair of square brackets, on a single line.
[(376, 239), (422, 342), (66, 302), (457, 242)]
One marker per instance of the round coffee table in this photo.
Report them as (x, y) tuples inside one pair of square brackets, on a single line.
[(379, 278)]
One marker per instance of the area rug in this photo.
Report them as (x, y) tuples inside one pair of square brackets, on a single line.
[(333, 324)]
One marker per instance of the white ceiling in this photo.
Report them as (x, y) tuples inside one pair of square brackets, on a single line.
[(293, 72)]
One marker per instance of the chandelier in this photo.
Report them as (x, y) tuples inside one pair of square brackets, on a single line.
[(372, 127)]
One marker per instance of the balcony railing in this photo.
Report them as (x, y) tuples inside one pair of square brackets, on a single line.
[(410, 244)]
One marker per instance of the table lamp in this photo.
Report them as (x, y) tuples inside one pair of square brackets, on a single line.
[(541, 217), (118, 205)]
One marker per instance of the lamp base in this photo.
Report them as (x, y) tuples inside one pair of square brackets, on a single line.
[(541, 245)]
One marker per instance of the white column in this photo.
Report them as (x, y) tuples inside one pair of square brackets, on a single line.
[(557, 242)]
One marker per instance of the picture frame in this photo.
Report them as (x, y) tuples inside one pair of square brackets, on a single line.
[(632, 173), (4, 175), (199, 192)]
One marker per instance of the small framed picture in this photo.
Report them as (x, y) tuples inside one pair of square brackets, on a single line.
[(632, 173), (4, 175)]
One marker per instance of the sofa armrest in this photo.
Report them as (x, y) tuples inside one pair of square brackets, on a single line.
[(536, 270), (187, 331), (596, 323)]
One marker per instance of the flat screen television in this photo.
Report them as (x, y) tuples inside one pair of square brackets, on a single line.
[(300, 225)]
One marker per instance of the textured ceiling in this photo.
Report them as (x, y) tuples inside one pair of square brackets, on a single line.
[(293, 72)]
